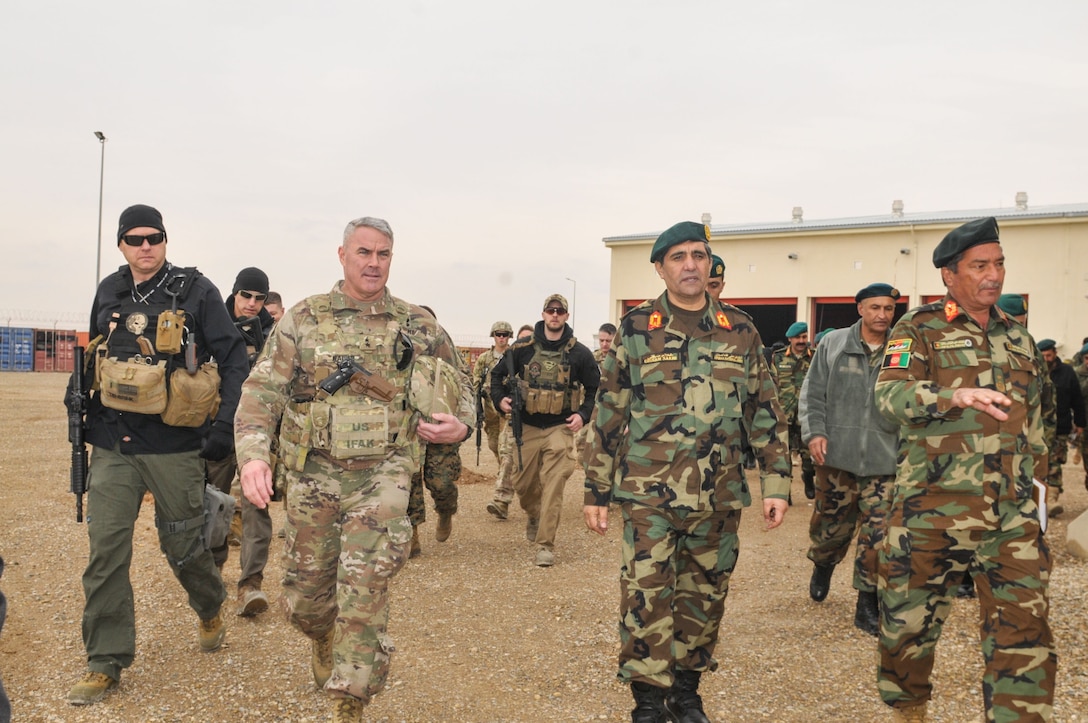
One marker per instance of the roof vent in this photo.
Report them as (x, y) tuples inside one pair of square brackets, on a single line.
[(897, 208), (1022, 201), (798, 214), (706, 218)]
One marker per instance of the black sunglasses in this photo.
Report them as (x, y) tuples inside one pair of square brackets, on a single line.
[(503, 334), (152, 238), (555, 310), (251, 295)]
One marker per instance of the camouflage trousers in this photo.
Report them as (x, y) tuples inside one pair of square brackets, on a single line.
[(1010, 562), (493, 426), (508, 464), (673, 585), (1059, 453), (548, 459), (440, 472), (347, 535), (845, 503)]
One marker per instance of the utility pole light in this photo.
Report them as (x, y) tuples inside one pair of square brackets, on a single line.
[(101, 177), (573, 300)]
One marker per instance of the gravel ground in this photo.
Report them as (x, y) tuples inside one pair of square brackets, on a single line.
[(482, 634)]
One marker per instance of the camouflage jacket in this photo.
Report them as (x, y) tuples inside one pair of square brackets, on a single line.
[(671, 410), (933, 350), (788, 372), (481, 378), (287, 372)]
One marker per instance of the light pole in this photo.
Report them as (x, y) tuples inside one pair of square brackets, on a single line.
[(101, 177), (573, 300)]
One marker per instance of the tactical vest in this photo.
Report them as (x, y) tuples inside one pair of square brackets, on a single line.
[(350, 427), (547, 378)]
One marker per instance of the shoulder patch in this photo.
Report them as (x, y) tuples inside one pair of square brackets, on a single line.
[(897, 360), (898, 345)]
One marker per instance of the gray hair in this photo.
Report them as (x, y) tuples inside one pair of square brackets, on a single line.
[(378, 224)]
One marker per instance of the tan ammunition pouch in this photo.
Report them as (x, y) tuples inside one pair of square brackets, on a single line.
[(132, 385), (544, 401), (435, 386), (352, 428), (193, 398)]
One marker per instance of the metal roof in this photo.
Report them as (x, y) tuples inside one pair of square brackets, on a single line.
[(885, 220)]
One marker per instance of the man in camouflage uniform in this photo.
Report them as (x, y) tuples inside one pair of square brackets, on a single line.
[(494, 422), (685, 378), (1081, 369), (963, 380), (349, 451), (789, 365), (558, 380), (853, 447), (605, 334), (1069, 420)]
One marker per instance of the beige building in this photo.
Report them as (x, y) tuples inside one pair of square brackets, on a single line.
[(809, 270)]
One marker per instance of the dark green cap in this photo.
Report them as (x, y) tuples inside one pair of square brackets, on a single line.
[(958, 240), (678, 234), (1046, 344), (1012, 304), (717, 267), (822, 334), (876, 290), (797, 328)]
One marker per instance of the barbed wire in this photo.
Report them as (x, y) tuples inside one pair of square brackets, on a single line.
[(41, 319)]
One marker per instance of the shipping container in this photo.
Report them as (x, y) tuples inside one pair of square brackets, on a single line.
[(54, 350), (16, 349), (83, 338)]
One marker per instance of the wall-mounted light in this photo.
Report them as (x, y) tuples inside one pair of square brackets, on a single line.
[(905, 252), (792, 257)]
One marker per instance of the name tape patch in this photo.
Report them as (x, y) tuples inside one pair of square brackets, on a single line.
[(945, 344), (663, 357)]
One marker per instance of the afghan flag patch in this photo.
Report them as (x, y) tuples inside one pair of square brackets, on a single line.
[(897, 360)]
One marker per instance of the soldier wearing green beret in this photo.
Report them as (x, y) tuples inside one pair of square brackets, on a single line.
[(684, 380), (716, 282), (964, 382), (789, 365), (854, 449), (1069, 419)]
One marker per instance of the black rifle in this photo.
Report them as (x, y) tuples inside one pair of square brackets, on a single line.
[(479, 418), (77, 407), (516, 402)]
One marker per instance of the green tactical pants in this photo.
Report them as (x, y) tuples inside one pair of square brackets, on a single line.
[(116, 486)]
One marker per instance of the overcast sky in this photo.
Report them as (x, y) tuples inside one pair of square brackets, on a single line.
[(503, 139)]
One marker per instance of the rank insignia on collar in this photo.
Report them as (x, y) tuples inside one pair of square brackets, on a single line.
[(723, 320), (655, 320), (951, 310)]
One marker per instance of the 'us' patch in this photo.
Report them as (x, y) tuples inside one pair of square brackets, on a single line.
[(899, 345), (898, 360)]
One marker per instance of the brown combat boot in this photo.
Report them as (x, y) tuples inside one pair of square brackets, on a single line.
[(444, 528), (321, 659), (251, 601), (211, 633), (499, 509), (91, 688), (347, 710), (913, 714)]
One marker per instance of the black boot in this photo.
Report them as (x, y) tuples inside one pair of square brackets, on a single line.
[(649, 703), (809, 478), (867, 613), (820, 582), (683, 704)]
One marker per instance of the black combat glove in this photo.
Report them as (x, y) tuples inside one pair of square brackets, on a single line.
[(219, 443)]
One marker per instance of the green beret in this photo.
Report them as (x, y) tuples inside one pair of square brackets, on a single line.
[(876, 290), (1084, 349), (1012, 304), (1046, 344), (822, 334), (797, 328), (958, 240), (717, 267), (681, 232)]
